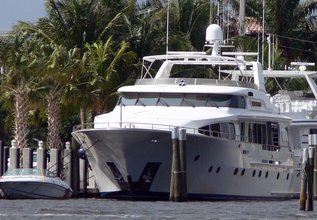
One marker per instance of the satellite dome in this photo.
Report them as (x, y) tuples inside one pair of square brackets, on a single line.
[(213, 33)]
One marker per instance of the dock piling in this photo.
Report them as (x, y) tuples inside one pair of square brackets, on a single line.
[(178, 188), (55, 161), (41, 156), (175, 174), (67, 162), (27, 158), (14, 154), (303, 189), (310, 178), (183, 163)]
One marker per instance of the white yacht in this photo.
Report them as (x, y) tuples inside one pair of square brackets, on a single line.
[(236, 147), (299, 105)]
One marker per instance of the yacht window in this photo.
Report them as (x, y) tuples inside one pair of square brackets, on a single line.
[(182, 99), (224, 130), (222, 100), (227, 130), (204, 130), (273, 133), (215, 130), (194, 100), (147, 99), (257, 133), (128, 99), (170, 99)]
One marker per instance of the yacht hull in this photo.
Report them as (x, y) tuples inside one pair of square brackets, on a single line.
[(136, 164)]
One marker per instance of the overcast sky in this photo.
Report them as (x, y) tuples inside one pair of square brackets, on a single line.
[(24, 10)]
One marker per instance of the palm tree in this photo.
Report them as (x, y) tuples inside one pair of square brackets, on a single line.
[(108, 67), (19, 79), (76, 23)]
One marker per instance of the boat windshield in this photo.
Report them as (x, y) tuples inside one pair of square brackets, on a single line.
[(180, 99), (29, 172)]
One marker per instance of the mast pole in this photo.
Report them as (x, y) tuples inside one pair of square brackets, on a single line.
[(263, 21), (167, 24)]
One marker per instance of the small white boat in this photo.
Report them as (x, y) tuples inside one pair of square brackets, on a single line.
[(33, 184)]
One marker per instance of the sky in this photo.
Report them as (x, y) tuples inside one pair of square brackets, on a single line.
[(12, 11)]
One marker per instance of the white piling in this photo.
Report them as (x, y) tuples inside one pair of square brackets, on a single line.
[(14, 155), (27, 158), (55, 161), (41, 156), (67, 164)]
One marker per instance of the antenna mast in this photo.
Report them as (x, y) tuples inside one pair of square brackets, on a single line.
[(167, 24)]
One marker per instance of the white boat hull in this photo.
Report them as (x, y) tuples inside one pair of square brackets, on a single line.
[(34, 188), (136, 163)]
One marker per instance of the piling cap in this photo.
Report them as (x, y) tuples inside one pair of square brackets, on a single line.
[(67, 145), (312, 139), (175, 133), (13, 144), (41, 144)]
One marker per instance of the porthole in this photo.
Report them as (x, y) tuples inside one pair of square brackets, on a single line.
[(236, 171), (253, 174), (218, 170), (210, 169), (196, 158), (278, 176), (260, 173), (242, 172), (266, 174)]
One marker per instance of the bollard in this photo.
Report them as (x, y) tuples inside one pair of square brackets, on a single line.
[(14, 154), (182, 155), (27, 158), (303, 189), (175, 187), (310, 178), (67, 162), (41, 156), (55, 158)]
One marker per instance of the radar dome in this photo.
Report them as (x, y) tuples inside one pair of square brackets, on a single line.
[(213, 33)]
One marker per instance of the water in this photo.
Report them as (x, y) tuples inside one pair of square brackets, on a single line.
[(112, 209)]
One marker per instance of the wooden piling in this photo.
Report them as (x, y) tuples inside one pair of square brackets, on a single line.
[(183, 162), (27, 158), (310, 178), (175, 188), (303, 189)]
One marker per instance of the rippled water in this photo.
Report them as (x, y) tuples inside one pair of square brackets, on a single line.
[(112, 209)]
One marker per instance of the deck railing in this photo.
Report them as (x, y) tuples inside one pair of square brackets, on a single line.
[(168, 128)]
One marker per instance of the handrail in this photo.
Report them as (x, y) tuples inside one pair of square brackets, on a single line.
[(210, 133)]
